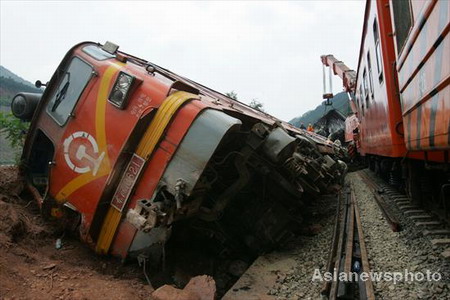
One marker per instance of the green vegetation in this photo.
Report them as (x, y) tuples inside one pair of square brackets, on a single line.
[(12, 138), (9, 88), (231, 95), (14, 129), (257, 105), (11, 84), (339, 102), (5, 101), (253, 104)]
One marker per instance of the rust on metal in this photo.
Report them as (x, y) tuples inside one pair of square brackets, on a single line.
[(346, 248), (364, 257), (350, 238), (339, 252), (334, 245)]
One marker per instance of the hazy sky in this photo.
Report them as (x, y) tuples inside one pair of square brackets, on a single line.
[(264, 50)]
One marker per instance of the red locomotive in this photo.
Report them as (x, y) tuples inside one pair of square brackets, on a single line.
[(130, 154), (401, 96)]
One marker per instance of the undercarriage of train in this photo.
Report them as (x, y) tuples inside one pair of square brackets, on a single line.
[(427, 184), (249, 200)]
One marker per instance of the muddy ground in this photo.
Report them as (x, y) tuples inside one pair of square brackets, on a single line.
[(32, 268)]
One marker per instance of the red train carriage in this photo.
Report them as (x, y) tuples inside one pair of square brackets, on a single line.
[(376, 97), (422, 47), (129, 154), (402, 94)]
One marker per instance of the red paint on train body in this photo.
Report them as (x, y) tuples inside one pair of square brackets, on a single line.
[(403, 80)]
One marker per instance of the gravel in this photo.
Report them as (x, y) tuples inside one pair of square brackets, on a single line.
[(310, 253), (388, 252), (399, 251)]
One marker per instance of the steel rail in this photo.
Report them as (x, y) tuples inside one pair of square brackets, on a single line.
[(369, 291), (334, 245), (340, 249), (347, 250)]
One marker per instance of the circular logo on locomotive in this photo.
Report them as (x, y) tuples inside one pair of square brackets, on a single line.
[(82, 146)]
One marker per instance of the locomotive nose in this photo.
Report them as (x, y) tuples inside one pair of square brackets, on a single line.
[(23, 105)]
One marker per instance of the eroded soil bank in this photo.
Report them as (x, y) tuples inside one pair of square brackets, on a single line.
[(32, 268)]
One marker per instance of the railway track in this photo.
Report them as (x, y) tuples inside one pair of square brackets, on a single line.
[(348, 253), (428, 222), (288, 274)]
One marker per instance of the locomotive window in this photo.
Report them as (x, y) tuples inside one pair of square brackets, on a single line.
[(402, 22), (97, 53), (376, 37), (369, 65), (73, 81)]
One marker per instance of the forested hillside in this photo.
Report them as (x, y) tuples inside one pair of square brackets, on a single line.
[(11, 84), (340, 103)]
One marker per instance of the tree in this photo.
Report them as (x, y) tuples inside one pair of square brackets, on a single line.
[(231, 95), (253, 104), (14, 129), (257, 105)]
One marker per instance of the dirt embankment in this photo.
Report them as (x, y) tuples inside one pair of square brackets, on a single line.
[(32, 268)]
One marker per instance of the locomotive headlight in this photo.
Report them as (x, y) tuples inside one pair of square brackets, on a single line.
[(18, 105), (121, 90), (23, 105)]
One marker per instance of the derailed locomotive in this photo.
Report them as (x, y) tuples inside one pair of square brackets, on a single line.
[(122, 150)]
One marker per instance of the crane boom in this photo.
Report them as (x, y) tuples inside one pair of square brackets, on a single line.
[(348, 77), (339, 68)]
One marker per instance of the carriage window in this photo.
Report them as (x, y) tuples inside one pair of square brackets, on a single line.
[(361, 97), (376, 37), (73, 81), (402, 22), (357, 100), (369, 66), (366, 88)]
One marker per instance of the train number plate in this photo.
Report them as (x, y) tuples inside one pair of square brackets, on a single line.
[(127, 182)]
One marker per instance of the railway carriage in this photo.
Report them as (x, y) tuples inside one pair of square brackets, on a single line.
[(402, 96)]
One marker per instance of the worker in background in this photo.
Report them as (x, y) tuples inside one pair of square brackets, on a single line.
[(310, 128), (302, 126)]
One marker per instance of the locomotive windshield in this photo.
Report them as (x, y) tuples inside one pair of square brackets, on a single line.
[(69, 89)]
